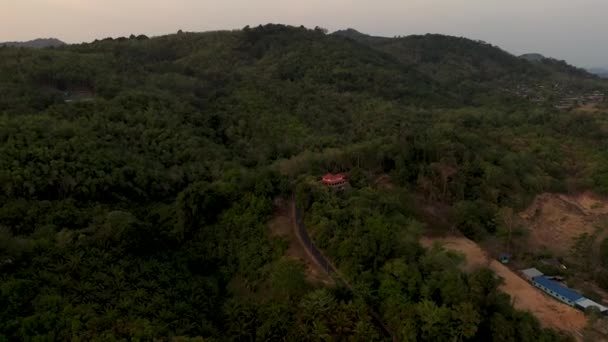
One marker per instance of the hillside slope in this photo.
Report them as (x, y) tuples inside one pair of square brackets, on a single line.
[(138, 175), (476, 70)]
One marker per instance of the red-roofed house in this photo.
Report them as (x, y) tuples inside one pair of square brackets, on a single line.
[(338, 180)]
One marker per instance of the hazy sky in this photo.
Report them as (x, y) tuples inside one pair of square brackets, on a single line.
[(574, 30)]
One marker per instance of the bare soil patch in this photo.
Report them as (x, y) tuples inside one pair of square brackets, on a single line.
[(550, 312), (555, 220), (475, 256), (282, 225)]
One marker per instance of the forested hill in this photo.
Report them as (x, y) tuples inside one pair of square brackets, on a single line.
[(137, 177), (36, 43), (458, 62)]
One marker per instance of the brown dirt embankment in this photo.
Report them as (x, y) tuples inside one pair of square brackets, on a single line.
[(554, 221)]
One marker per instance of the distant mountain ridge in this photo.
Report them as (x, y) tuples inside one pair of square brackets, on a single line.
[(429, 69), (533, 57), (358, 36), (450, 60), (39, 43), (601, 72)]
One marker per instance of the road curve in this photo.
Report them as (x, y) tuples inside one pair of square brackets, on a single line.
[(320, 259)]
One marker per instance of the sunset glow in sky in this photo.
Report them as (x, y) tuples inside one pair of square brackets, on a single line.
[(574, 30)]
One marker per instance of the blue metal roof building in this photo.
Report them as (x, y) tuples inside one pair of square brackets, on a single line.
[(557, 290)]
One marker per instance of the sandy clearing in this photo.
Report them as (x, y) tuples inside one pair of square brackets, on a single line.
[(550, 312), (555, 220)]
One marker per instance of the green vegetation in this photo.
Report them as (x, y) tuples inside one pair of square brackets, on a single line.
[(422, 294), (138, 175), (604, 252)]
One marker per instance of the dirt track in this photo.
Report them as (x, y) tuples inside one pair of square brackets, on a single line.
[(550, 312), (282, 225), (285, 223)]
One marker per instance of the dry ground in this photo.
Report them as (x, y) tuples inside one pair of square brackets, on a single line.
[(282, 225), (555, 220), (549, 311)]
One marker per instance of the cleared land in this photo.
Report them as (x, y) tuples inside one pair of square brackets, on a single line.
[(555, 220), (550, 312)]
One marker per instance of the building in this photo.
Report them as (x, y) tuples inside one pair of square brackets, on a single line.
[(557, 290), (337, 181), (585, 303), (531, 273), (561, 292)]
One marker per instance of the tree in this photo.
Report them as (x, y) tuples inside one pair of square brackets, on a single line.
[(580, 249), (466, 321), (288, 280), (434, 321), (468, 220), (604, 252), (506, 220)]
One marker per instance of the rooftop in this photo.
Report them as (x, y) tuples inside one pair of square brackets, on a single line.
[(585, 303), (558, 288), (532, 273), (332, 179)]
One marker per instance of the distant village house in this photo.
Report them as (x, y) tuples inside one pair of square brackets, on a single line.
[(337, 181)]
